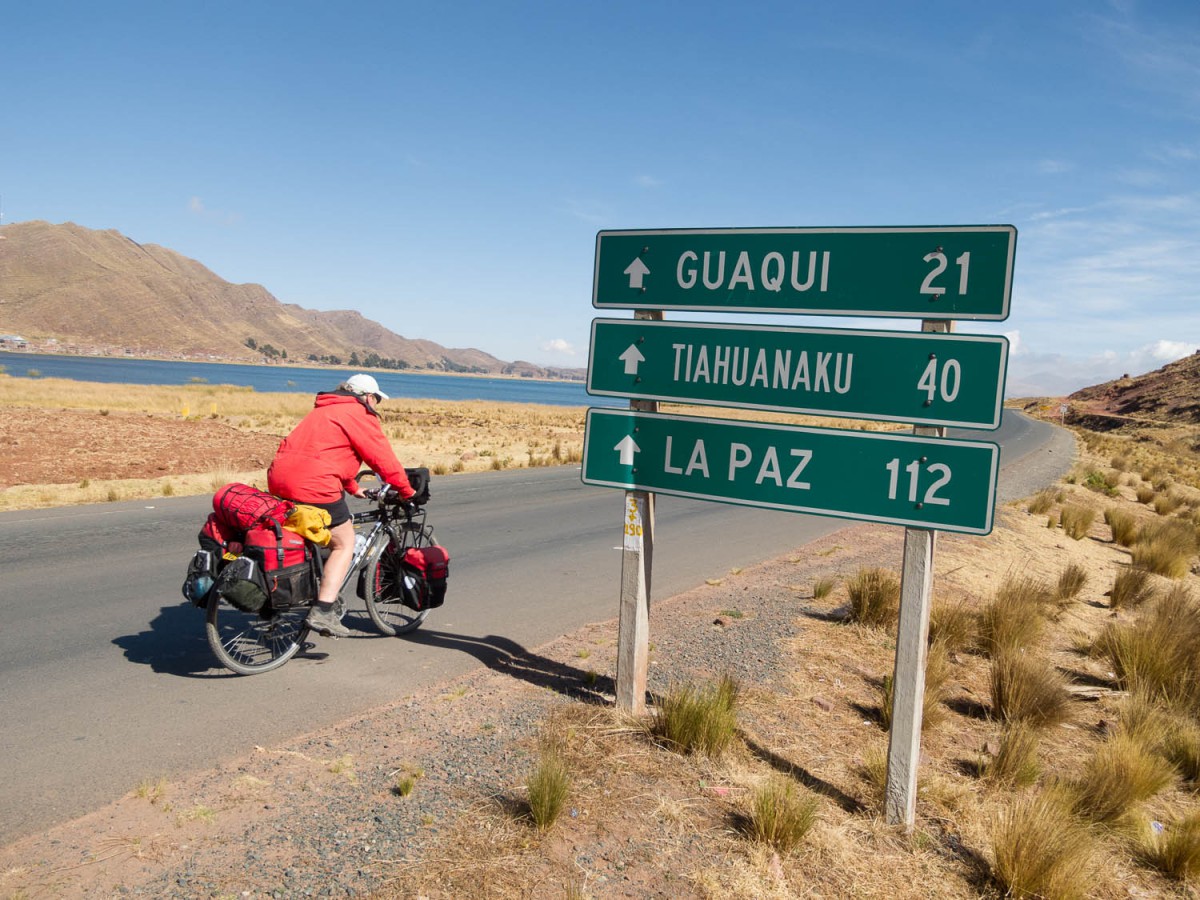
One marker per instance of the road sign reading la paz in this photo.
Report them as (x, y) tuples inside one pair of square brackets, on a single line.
[(934, 272), (901, 479), (922, 378)]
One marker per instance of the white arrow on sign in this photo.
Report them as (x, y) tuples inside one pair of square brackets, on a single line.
[(631, 358), (636, 271), (627, 448)]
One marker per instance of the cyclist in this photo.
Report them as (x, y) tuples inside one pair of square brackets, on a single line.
[(316, 463)]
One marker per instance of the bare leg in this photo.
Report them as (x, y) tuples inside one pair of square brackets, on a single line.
[(341, 552)]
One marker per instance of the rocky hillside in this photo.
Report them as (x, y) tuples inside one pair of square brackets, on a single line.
[(99, 290), (1170, 394)]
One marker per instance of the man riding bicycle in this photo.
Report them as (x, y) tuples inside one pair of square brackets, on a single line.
[(316, 464)]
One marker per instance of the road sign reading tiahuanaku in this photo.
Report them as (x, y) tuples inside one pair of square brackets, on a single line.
[(915, 377), (935, 272), (900, 479)]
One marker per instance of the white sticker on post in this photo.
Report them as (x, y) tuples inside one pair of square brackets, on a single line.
[(633, 522)]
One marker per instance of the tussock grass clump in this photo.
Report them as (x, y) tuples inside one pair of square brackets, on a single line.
[(1119, 774), (954, 625), (1041, 850), (1122, 524), (1071, 581), (823, 587), (1145, 494), (698, 719), (1143, 720), (1165, 504), (780, 815), (1076, 520), (1131, 588), (1016, 761), (548, 785), (1175, 850), (1043, 500), (1013, 618), (1027, 689), (1159, 655), (874, 597), (1181, 748), (1165, 547)]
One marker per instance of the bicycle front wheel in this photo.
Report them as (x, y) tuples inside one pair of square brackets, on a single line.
[(383, 594), (248, 644)]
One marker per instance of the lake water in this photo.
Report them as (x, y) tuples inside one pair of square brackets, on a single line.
[(297, 379)]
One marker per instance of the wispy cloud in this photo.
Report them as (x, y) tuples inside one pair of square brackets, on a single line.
[(647, 181), (1053, 374), (197, 208), (1054, 166)]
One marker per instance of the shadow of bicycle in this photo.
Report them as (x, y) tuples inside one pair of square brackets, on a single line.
[(501, 654)]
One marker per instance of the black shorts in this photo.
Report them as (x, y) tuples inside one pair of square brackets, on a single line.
[(338, 511)]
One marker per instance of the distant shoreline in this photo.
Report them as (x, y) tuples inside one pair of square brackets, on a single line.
[(285, 364)]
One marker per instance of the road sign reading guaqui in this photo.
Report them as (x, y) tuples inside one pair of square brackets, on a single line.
[(936, 272)]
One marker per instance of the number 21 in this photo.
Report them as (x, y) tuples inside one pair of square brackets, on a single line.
[(939, 260)]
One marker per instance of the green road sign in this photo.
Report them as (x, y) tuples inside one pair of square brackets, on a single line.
[(922, 378), (900, 479), (947, 272)]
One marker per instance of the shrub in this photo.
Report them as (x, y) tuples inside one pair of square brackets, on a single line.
[(1119, 774), (874, 597), (1175, 850), (1123, 525), (779, 815), (698, 719), (1016, 761), (1131, 588), (1041, 850), (1102, 482), (1077, 520), (1027, 689)]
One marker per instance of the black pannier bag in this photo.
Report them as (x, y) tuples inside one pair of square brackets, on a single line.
[(422, 578), (244, 585), (201, 575), (418, 480), (292, 586)]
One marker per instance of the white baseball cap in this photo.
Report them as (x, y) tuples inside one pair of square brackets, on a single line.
[(365, 384)]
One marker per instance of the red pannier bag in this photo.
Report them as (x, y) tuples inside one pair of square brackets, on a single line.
[(275, 547), (240, 507), (423, 573)]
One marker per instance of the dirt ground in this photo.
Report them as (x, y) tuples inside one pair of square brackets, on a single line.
[(653, 825), (68, 446)]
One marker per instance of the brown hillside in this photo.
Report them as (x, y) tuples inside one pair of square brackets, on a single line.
[(100, 289), (1170, 394)]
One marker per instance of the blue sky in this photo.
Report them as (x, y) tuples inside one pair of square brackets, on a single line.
[(444, 168)]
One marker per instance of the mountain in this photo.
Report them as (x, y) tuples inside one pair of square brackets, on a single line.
[(1170, 394), (79, 289)]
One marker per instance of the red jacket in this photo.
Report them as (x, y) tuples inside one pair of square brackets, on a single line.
[(320, 458)]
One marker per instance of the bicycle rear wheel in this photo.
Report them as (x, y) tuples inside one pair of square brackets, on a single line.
[(248, 644), (382, 593)]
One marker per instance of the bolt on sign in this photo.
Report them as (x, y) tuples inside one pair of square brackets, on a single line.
[(936, 272)]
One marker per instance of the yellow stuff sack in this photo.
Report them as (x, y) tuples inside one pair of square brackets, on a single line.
[(311, 523)]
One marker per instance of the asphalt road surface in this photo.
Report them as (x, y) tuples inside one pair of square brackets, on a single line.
[(107, 681)]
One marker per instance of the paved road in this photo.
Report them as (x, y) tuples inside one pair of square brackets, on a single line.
[(106, 679)]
